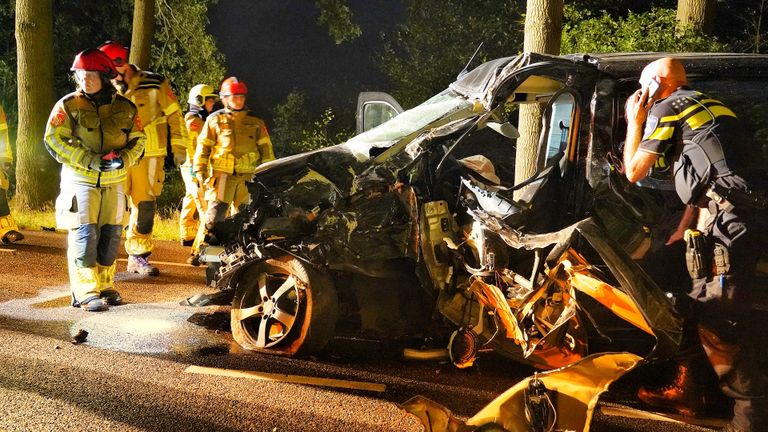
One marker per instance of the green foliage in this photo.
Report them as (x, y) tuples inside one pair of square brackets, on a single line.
[(296, 132), (435, 43), (337, 16), (183, 51), (584, 31)]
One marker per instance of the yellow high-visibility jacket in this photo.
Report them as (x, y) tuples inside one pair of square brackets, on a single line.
[(232, 142), (194, 126), (79, 133), (158, 110), (5, 142)]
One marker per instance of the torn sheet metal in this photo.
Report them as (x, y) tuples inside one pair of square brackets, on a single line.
[(572, 394)]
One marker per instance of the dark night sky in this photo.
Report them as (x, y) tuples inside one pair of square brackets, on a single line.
[(277, 45)]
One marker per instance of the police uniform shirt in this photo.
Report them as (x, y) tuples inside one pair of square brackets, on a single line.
[(682, 116)]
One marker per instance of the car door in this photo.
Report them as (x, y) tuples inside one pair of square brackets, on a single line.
[(375, 108)]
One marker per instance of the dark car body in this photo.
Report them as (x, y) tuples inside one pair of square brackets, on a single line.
[(415, 226)]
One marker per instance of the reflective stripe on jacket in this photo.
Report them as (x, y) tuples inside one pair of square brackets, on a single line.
[(232, 142), (158, 110), (79, 133)]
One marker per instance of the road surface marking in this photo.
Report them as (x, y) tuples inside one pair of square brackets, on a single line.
[(295, 379), (627, 412), (7, 250), (163, 263)]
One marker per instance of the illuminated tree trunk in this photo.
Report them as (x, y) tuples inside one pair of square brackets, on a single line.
[(37, 173), (143, 30), (543, 28), (698, 14)]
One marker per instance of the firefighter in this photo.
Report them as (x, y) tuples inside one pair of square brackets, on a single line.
[(201, 100), (702, 134), (96, 135), (9, 232), (232, 143), (160, 114)]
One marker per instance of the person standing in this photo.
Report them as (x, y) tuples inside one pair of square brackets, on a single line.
[(96, 135), (160, 114), (201, 100), (9, 232), (703, 135), (232, 143)]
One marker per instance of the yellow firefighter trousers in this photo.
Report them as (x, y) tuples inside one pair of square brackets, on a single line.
[(6, 220), (221, 189), (192, 206), (144, 185), (95, 218)]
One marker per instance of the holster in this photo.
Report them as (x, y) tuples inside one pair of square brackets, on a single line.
[(696, 254)]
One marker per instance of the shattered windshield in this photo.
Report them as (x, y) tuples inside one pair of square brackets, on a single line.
[(437, 107)]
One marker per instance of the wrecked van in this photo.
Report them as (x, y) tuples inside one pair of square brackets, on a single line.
[(415, 228)]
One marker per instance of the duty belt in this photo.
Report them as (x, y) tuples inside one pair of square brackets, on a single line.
[(728, 199)]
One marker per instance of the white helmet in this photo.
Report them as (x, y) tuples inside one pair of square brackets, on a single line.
[(199, 93)]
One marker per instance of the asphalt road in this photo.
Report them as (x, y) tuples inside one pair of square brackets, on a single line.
[(131, 373)]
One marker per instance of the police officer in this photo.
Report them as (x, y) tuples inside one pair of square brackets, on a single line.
[(96, 135), (201, 101), (9, 232), (703, 134), (232, 143), (160, 114)]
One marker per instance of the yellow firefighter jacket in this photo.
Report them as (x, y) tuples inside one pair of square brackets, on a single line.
[(194, 126), (5, 143), (159, 112), (79, 133), (232, 142)]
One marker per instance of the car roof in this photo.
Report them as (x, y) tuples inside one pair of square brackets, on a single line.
[(629, 65), (481, 82)]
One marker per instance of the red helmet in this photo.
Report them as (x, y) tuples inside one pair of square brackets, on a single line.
[(233, 86), (94, 60), (115, 51)]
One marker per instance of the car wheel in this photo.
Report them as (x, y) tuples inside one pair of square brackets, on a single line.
[(282, 306)]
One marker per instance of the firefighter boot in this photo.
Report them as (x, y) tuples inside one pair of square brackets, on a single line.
[(107, 282), (9, 232), (84, 283), (684, 395), (140, 264)]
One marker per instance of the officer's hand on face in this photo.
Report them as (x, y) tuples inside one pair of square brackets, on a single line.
[(637, 107)]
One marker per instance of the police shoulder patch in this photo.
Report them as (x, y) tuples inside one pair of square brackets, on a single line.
[(651, 123)]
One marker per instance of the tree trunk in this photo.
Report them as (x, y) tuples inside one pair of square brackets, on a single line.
[(698, 14), (37, 173), (143, 30), (543, 29)]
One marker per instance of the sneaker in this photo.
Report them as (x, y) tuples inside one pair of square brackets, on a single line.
[(139, 264), (681, 395), (12, 236), (194, 260), (91, 304), (111, 297)]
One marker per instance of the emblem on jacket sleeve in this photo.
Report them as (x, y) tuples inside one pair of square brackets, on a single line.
[(58, 118)]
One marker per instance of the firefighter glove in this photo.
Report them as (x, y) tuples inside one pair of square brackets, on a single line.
[(179, 159), (199, 177), (111, 161)]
